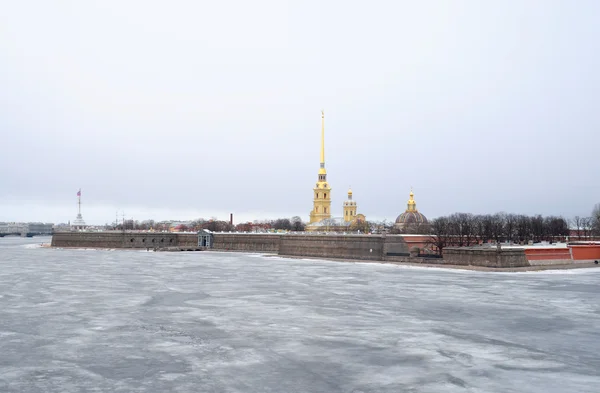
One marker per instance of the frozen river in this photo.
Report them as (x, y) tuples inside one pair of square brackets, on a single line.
[(129, 321)]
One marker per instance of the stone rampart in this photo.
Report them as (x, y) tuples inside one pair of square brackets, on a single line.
[(367, 247), (390, 248), (248, 242), (395, 244), (187, 240), (487, 257), (114, 239), (414, 260)]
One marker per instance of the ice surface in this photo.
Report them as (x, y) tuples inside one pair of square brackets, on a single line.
[(122, 321)]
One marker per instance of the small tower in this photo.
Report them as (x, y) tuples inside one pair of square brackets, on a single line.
[(78, 223), (349, 208), (322, 191)]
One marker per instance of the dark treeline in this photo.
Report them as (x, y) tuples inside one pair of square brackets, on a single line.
[(465, 229), (293, 224), (195, 225)]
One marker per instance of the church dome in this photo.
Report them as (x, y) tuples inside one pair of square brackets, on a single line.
[(411, 217)]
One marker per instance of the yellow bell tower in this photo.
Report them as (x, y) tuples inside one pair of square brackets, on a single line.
[(349, 208), (322, 191)]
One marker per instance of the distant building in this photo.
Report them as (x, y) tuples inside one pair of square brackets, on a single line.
[(39, 228), (25, 228)]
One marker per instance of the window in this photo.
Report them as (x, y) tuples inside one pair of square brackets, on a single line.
[(324, 210), (325, 195)]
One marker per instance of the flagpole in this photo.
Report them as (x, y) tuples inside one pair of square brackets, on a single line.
[(79, 201)]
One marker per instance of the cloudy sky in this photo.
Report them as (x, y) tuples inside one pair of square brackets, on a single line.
[(184, 109)]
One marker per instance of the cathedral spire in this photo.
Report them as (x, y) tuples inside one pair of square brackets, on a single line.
[(322, 191), (322, 138)]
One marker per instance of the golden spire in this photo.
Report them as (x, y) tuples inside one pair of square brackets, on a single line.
[(322, 138), (349, 193), (322, 171)]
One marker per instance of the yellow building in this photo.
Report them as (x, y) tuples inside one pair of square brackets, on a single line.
[(349, 208), (322, 191)]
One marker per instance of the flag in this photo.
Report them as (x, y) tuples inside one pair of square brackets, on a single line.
[(79, 193)]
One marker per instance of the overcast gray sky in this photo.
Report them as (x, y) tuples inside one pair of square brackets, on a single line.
[(184, 109)]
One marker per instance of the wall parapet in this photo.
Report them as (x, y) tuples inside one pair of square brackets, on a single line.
[(367, 247), (473, 256)]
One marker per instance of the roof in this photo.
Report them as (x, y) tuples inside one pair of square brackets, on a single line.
[(411, 217)]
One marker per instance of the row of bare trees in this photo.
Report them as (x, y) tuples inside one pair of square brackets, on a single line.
[(195, 225), (585, 227), (465, 229)]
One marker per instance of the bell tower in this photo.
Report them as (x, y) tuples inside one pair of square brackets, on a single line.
[(322, 191), (349, 208)]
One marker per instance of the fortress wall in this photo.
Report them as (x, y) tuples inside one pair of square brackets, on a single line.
[(367, 247), (249, 242), (87, 239), (421, 241), (396, 244), (150, 240), (113, 239), (419, 260), (485, 257), (187, 239), (585, 252)]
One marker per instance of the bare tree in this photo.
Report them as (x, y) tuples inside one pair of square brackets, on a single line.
[(596, 219), (524, 232), (577, 223), (556, 228), (282, 223), (363, 226), (587, 227), (510, 227), (440, 234), (297, 224), (244, 227), (218, 226)]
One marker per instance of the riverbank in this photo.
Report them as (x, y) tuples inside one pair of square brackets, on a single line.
[(457, 267), (346, 260)]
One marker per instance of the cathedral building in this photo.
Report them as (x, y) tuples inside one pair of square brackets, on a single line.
[(322, 191), (321, 218)]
